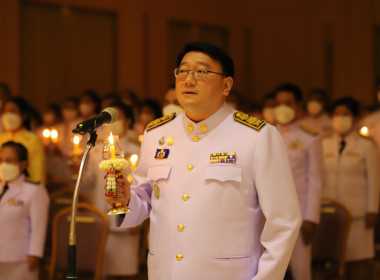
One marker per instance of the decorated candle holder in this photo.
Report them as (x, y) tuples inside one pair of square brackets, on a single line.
[(113, 164)]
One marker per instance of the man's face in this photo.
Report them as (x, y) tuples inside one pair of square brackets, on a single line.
[(202, 98), (286, 98)]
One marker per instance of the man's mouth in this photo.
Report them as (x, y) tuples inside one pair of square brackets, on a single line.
[(189, 92)]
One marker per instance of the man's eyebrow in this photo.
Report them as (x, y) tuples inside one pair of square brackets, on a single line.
[(198, 62)]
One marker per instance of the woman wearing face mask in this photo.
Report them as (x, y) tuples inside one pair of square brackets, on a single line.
[(317, 118), (124, 264), (23, 216), (351, 164), (15, 118)]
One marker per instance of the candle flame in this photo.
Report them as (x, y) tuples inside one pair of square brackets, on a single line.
[(134, 158), (54, 134), (111, 139), (76, 139), (46, 133), (364, 131)]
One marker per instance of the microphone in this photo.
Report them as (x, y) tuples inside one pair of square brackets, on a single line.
[(108, 115)]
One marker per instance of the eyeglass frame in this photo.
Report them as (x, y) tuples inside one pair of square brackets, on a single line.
[(193, 73)]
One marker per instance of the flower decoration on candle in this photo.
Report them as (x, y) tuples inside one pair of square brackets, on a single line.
[(113, 164)]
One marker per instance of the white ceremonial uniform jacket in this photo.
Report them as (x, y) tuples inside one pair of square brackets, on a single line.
[(353, 177), (207, 219), (322, 124), (23, 220), (305, 156)]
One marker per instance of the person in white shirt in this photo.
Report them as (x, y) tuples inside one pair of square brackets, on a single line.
[(215, 182), (305, 155), (317, 118), (351, 165)]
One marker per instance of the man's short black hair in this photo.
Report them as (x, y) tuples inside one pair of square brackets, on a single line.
[(214, 52), (292, 88), (350, 103)]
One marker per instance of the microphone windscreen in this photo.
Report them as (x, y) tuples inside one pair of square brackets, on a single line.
[(112, 112)]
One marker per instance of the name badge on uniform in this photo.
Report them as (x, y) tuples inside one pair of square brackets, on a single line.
[(223, 157), (15, 202), (162, 153)]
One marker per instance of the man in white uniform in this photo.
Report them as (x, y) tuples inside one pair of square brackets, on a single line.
[(305, 156), (216, 183)]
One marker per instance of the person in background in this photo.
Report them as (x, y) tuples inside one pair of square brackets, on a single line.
[(89, 104), (51, 117), (305, 155), (268, 105), (24, 210), (317, 117), (125, 263), (171, 103), (130, 97), (5, 93), (351, 165), (70, 115), (109, 99), (150, 109), (15, 118), (372, 121), (215, 182)]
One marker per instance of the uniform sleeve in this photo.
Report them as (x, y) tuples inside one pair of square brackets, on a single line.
[(315, 180), (279, 203), (372, 162), (141, 191), (39, 210)]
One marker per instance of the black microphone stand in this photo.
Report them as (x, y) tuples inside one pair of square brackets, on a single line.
[(72, 249)]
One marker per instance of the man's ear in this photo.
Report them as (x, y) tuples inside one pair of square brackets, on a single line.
[(228, 82)]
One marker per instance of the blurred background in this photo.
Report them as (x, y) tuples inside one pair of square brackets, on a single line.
[(53, 48)]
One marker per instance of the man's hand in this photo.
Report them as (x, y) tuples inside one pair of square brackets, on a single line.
[(33, 262), (123, 192), (307, 231), (370, 220)]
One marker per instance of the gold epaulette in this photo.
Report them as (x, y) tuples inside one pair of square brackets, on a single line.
[(160, 121), (308, 130), (248, 120)]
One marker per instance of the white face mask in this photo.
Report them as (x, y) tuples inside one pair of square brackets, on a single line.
[(172, 108), (342, 124), (9, 171), (269, 115), (284, 114), (117, 127), (314, 107), (11, 121)]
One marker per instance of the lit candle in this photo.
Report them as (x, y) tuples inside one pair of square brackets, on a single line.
[(364, 131), (133, 160), (54, 136), (76, 141), (112, 147), (46, 135)]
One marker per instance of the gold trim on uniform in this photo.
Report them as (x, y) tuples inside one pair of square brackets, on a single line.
[(248, 120), (203, 127), (171, 140), (160, 121), (309, 130)]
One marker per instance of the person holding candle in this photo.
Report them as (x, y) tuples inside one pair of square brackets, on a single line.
[(15, 117), (215, 182)]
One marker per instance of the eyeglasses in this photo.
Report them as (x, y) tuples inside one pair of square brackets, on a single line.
[(198, 74)]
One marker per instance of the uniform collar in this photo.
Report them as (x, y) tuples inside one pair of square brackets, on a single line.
[(207, 125), (17, 183), (286, 128)]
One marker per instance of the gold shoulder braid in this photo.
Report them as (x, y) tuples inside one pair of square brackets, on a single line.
[(309, 130), (246, 119), (160, 121)]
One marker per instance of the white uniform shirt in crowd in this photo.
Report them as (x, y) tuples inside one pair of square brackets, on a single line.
[(353, 178), (207, 219), (322, 124), (305, 156), (372, 122), (23, 222)]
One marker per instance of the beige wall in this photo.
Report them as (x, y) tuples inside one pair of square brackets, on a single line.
[(287, 41)]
